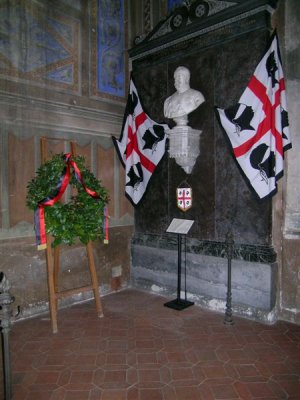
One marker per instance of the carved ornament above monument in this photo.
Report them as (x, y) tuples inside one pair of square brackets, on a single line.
[(187, 14), (195, 18)]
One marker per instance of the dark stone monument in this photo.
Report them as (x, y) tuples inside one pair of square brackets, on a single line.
[(221, 44)]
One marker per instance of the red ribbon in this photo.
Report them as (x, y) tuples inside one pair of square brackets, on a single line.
[(39, 214)]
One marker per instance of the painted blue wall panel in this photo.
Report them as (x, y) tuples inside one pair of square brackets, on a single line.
[(173, 4), (111, 47), (37, 47)]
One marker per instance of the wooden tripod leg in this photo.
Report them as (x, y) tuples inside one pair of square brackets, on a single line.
[(43, 146), (51, 289), (94, 278), (55, 272)]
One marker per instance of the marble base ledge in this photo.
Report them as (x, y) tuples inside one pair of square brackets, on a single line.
[(254, 283), (242, 251)]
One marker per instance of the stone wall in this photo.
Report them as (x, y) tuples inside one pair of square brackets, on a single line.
[(26, 269), (288, 16), (204, 277)]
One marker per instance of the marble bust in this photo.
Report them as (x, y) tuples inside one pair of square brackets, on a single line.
[(184, 100)]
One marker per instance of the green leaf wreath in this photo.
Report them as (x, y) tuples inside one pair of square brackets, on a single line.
[(82, 216)]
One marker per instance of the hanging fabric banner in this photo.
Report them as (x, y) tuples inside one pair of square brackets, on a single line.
[(141, 146), (257, 126)]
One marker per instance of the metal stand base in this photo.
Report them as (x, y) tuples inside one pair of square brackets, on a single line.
[(178, 304), (228, 320)]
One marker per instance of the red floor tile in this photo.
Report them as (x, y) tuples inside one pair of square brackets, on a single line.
[(142, 350)]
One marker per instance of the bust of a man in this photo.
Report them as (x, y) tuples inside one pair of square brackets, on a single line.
[(184, 100)]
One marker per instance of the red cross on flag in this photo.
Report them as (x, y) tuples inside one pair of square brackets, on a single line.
[(140, 147), (257, 126), (184, 198)]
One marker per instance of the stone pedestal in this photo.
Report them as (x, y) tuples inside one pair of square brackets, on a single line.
[(184, 146), (254, 274)]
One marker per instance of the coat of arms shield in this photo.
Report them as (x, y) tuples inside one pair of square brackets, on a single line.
[(184, 198)]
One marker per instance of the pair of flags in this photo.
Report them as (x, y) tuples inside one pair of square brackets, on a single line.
[(257, 128)]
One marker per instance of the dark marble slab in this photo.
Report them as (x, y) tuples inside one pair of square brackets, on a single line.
[(241, 251), (222, 201)]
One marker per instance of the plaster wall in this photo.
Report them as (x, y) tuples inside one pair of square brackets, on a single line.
[(49, 90), (287, 206), (26, 269)]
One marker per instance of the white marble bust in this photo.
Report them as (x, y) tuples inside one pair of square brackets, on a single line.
[(184, 100)]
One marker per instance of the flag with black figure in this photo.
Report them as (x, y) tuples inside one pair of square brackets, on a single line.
[(141, 146), (257, 126)]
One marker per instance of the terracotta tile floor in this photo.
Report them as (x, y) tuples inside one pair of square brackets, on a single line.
[(143, 350)]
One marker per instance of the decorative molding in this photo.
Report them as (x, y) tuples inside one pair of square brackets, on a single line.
[(245, 252), (292, 226), (22, 229), (147, 16), (186, 15), (163, 37), (50, 115)]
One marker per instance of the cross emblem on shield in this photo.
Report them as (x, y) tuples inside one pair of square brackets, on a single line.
[(184, 198)]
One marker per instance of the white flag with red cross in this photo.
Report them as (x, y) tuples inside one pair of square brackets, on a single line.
[(140, 147), (257, 126)]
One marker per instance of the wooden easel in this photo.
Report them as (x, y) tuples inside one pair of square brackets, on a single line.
[(53, 264)]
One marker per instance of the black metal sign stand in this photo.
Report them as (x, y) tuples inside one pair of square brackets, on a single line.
[(180, 227)]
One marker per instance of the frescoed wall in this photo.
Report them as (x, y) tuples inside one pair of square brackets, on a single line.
[(39, 46), (173, 4), (110, 40), (42, 46)]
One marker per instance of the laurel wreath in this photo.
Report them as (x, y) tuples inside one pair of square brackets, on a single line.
[(82, 216)]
